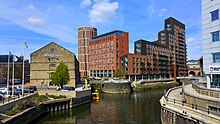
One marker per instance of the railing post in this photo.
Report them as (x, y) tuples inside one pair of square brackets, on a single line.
[(192, 106), (208, 110), (174, 101), (196, 107)]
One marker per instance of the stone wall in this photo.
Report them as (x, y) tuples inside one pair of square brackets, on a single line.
[(117, 87), (12, 103), (30, 114), (57, 93)]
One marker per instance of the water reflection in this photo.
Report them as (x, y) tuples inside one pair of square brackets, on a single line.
[(135, 108)]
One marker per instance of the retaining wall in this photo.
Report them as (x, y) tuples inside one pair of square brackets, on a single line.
[(9, 105), (30, 114), (117, 87)]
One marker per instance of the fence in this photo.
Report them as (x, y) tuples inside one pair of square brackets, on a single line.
[(12, 98), (184, 103)]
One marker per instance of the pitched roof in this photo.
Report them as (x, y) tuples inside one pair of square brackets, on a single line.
[(50, 44)]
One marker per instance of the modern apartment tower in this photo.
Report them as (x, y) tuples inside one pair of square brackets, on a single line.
[(166, 57), (158, 59), (173, 37), (211, 40), (84, 35), (105, 51)]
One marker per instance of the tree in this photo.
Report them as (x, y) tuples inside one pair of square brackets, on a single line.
[(61, 76), (120, 73)]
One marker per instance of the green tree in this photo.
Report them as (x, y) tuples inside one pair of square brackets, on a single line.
[(121, 73), (61, 76)]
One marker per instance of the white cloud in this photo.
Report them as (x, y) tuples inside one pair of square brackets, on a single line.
[(103, 11), (85, 3), (155, 11), (190, 40), (35, 21), (30, 7)]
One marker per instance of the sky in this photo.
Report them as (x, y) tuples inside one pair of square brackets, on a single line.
[(40, 22)]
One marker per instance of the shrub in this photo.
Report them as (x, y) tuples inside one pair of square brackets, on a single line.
[(39, 98), (12, 112), (56, 97)]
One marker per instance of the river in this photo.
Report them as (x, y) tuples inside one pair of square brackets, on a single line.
[(134, 108)]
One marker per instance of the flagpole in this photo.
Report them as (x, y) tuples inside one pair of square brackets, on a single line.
[(23, 75), (8, 74), (13, 76)]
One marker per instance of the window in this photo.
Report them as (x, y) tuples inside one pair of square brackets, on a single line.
[(216, 57), (215, 36), (215, 15)]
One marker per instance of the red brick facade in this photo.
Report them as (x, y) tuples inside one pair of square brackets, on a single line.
[(105, 51), (84, 35)]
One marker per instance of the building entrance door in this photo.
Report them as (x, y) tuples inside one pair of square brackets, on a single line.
[(42, 85)]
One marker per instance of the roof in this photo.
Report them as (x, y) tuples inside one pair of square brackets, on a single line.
[(108, 34), (4, 58), (50, 44)]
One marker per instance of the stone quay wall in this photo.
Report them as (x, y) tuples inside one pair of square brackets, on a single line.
[(117, 87), (9, 105), (30, 114)]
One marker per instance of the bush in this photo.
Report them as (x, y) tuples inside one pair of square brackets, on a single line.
[(39, 98), (12, 112), (55, 97), (104, 79)]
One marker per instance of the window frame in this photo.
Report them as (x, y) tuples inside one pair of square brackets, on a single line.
[(217, 34), (213, 18), (214, 56)]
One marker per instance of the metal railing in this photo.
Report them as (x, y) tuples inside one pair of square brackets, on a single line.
[(6, 100), (184, 103)]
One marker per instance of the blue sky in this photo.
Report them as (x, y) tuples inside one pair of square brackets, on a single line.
[(40, 22)]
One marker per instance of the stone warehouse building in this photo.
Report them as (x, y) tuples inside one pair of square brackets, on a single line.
[(44, 62)]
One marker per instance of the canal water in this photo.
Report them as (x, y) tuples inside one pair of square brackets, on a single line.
[(134, 108)]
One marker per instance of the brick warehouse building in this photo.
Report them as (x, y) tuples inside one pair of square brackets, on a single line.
[(105, 51), (84, 35)]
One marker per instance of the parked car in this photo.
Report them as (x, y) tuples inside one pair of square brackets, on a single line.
[(3, 90), (1, 93), (16, 92), (32, 87), (67, 89), (28, 90), (1, 97)]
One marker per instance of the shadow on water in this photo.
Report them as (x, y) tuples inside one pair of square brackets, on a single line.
[(134, 108)]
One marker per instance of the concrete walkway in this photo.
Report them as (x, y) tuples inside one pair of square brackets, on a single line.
[(175, 93), (189, 90)]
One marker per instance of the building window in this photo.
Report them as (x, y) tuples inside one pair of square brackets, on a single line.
[(215, 36), (216, 57), (215, 15)]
